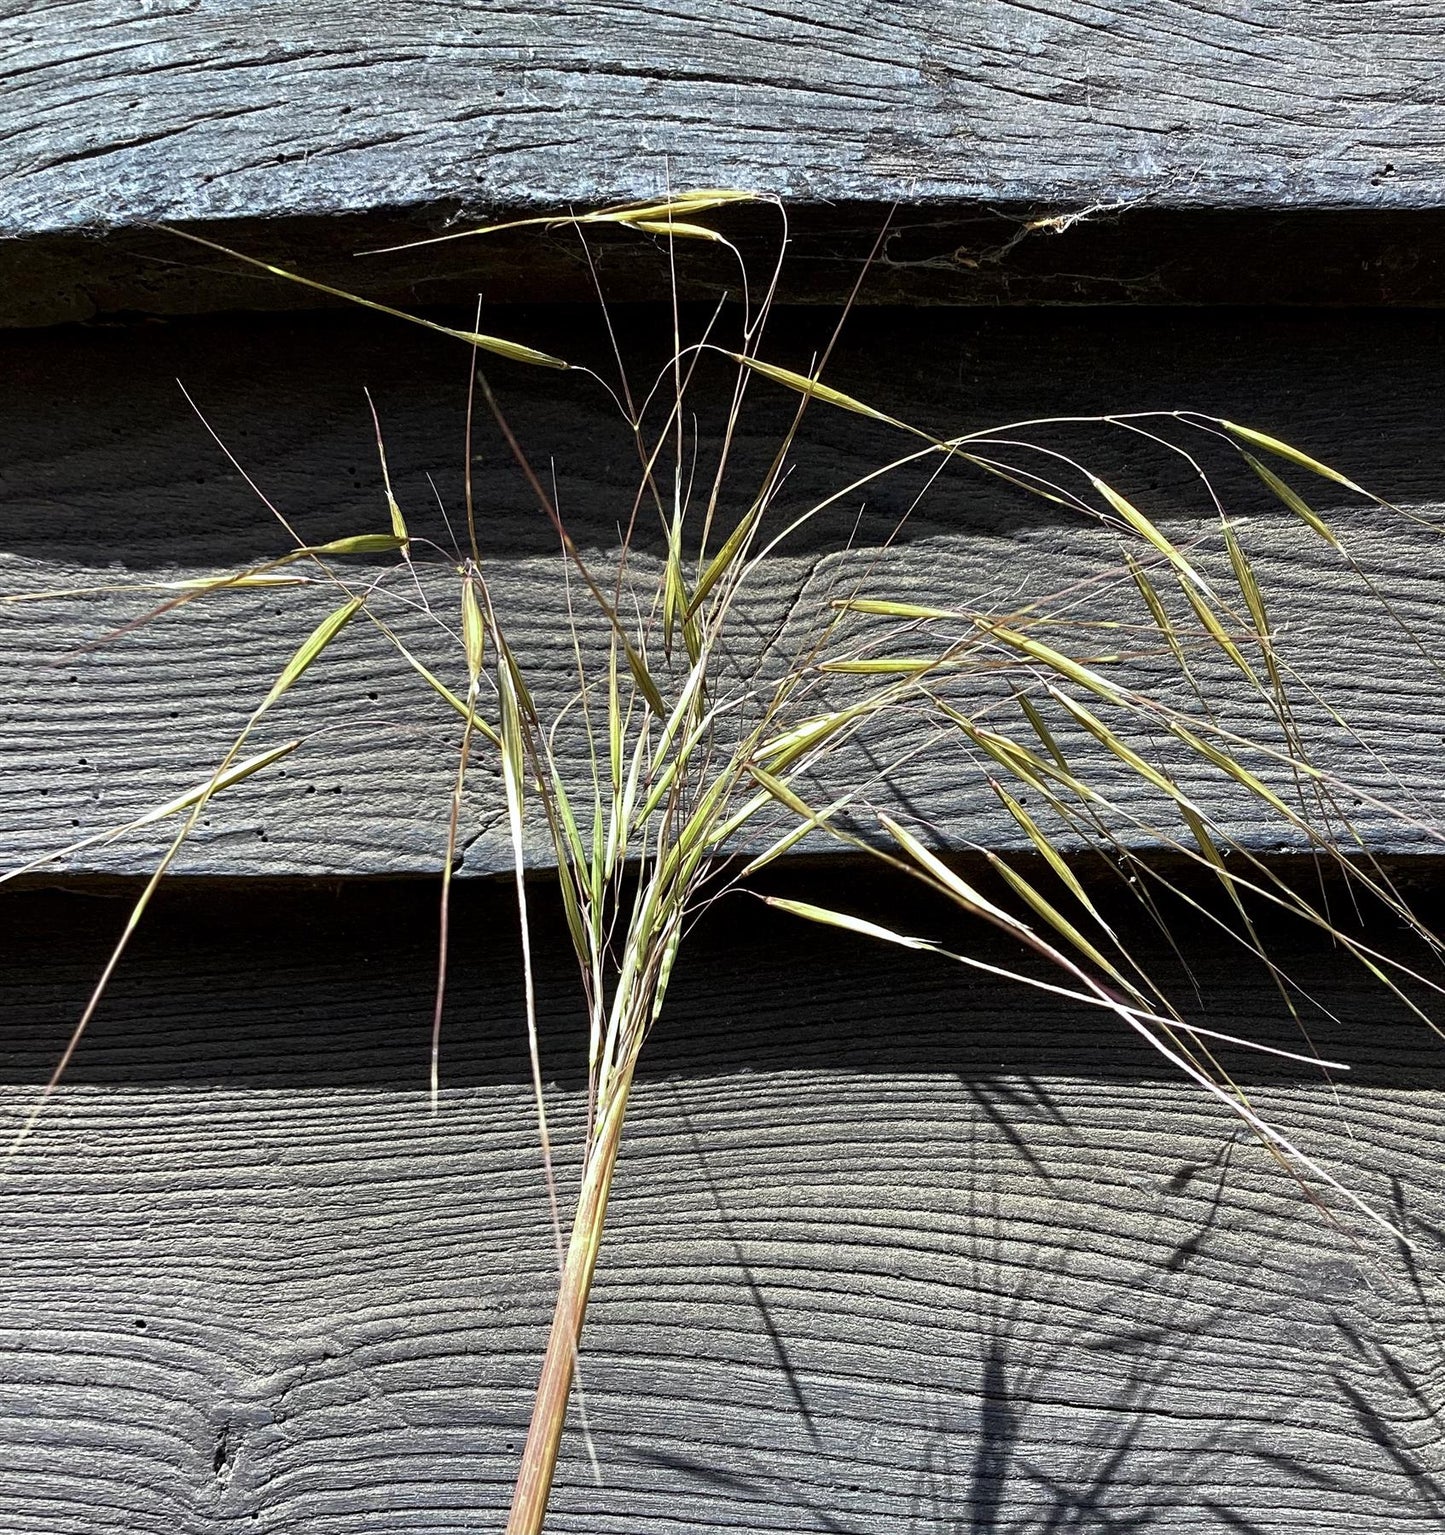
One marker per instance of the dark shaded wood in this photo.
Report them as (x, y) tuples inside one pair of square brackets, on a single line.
[(110, 478), (888, 1251), (404, 121), (933, 255)]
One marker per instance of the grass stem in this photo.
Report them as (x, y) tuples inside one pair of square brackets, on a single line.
[(554, 1385)]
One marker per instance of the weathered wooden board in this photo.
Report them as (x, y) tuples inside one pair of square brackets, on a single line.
[(889, 1252), (255, 110), (403, 119), (108, 477)]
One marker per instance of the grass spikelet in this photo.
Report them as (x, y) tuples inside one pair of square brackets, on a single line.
[(1149, 533), (1295, 502), (1291, 455), (310, 649), (884, 666), (513, 351), (1065, 666), (1216, 631), (1051, 854), (886, 609), (1232, 767), (674, 229), (361, 543), (815, 390), (193, 796), (638, 215), (304, 657), (826, 917)]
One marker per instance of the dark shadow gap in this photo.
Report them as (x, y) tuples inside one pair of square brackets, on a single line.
[(330, 985), (104, 461)]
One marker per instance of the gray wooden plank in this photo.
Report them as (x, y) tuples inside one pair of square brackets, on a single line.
[(115, 116), (983, 1268), (108, 477), (93, 745)]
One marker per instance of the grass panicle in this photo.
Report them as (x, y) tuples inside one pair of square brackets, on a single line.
[(709, 752)]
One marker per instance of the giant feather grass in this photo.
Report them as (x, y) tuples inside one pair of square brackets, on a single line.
[(711, 752)]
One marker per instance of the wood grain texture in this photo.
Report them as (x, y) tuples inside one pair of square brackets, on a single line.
[(108, 477), (400, 120), (888, 1253), (179, 111)]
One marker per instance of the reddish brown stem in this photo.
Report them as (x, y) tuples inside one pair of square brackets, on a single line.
[(554, 1386)]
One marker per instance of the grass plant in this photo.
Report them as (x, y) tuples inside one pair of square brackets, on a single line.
[(710, 751)]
